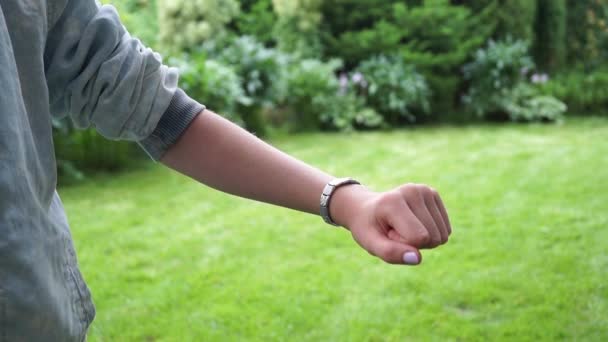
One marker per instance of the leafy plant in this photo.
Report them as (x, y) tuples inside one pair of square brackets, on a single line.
[(185, 24), (495, 70), (296, 30), (524, 103), (317, 101), (214, 84), (499, 86), (393, 88), (257, 19), (582, 92)]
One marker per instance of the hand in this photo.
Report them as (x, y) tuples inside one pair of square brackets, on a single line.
[(395, 224)]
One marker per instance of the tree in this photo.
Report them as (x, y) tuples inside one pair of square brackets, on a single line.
[(550, 27)]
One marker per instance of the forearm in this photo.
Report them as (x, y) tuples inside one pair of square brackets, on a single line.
[(221, 155), (390, 225)]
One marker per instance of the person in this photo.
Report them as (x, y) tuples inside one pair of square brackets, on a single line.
[(74, 57)]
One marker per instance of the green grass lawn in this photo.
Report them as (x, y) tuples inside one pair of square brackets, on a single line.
[(169, 260)]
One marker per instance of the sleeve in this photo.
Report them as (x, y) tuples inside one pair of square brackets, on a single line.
[(102, 77)]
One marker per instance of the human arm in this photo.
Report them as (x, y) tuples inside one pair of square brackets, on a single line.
[(220, 154), (103, 77)]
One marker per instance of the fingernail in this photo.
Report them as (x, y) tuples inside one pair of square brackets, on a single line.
[(411, 258)]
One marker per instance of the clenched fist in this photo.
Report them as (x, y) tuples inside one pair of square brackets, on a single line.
[(393, 225)]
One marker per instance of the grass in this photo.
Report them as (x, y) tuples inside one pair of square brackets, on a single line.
[(168, 260)]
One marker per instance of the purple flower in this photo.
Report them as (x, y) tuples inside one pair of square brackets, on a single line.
[(539, 78), (343, 83), (357, 78)]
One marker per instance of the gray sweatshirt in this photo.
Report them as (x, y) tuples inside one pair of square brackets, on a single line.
[(58, 58)]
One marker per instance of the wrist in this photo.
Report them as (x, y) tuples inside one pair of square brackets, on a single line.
[(346, 202)]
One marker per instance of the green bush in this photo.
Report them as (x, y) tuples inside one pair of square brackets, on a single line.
[(499, 88), (583, 93), (317, 100), (214, 84), (262, 72), (511, 18), (257, 19), (296, 30), (430, 34), (80, 151), (525, 103), (140, 17), (185, 24), (495, 70), (394, 89)]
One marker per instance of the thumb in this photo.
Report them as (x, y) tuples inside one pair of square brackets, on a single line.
[(394, 252)]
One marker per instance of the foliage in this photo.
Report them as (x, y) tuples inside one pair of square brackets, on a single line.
[(257, 19), (140, 17), (498, 85), (511, 18), (185, 24), (583, 93), (550, 43), (316, 100), (213, 83), (80, 151), (296, 30), (393, 88), (262, 72), (434, 34), (587, 33), (524, 103), (495, 70), (355, 30)]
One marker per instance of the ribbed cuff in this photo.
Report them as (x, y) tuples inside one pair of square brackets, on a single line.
[(178, 116)]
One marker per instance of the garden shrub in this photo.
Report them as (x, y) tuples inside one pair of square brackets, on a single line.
[(257, 19), (78, 151), (262, 72), (214, 84), (496, 69), (140, 17), (499, 87), (525, 103), (511, 18), (393, 88), (185, 24), (582, 92), (317, 99), (296, 29)]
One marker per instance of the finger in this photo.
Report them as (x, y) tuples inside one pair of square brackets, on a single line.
[(401, 219), (415, 200), (429, 201), (443, 211), (393, 252), (393, 235)]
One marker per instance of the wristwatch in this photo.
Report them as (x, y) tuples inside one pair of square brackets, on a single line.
[(328, 192)]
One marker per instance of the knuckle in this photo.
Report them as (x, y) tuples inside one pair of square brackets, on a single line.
[(424, 238), (389, 199)]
